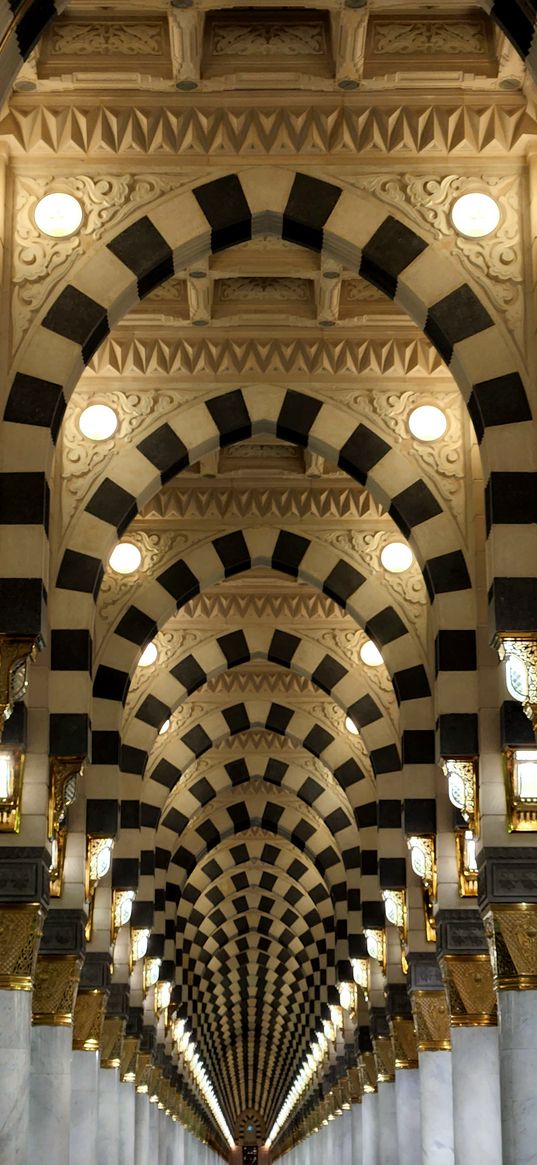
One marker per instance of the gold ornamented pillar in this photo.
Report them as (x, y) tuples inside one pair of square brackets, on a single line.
[(89, 1017), (56, 983), (407, 1081), (508, 904), (355, 1093), (431, 1021), (467, 972), (23, 903)]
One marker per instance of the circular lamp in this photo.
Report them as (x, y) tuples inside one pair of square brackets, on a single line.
[(58, 215), (351, 726), (370, 654), (148, 656), (125, 558), (427, 423), (98, 422), (162, 731), (475, 215), (396, 557)]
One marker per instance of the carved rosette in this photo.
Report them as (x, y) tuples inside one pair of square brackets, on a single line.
[(404, 1042), (470, 989), (89, 1018), (112, 1041), (384, 1059), (55, 989), (21, 928), (511, 931), (431, 1018), (129, 1052)]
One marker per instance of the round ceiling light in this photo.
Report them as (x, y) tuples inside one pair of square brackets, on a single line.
[(475, 215), (148, 656), (351, 726), (396, 557), (370, 654), (125, 558), (58, 215), (427, 423), (98, 422)]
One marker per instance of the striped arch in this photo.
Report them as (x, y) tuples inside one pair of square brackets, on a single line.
[(348, 227), (299, 884)]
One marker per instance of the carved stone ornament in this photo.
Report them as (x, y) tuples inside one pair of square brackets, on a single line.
[(385, 1059), (511, 931), (89, 1018), (470, 989), (404, 1042), (129, 1052), (21, 927), (431, 1019), (112, 1041), (55, 989), (522, 680)]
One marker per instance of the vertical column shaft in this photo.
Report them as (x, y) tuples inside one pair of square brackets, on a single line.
[(50, 1094), (84, 1108)]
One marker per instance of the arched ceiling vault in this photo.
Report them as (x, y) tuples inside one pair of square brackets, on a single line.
[(263, 333)]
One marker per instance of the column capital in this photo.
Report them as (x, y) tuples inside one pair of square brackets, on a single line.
[(429, 1004), (401, 1023), (24, 897), (508, 902), (464, 959), (59, 963)]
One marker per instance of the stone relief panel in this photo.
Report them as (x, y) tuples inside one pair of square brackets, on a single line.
[(40, 263), (110, 37), (495, 263), (82, 463)]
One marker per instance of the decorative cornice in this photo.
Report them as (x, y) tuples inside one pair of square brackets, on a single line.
[(201, 357), (326, 128)]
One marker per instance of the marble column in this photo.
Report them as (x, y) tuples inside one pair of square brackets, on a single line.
[(345, 1123), (388, 1154), (141, 1129), (356, 1119), (370, 1129), (127, 1122), (431, 1020), (467, 972), (84, 1108), (408, 1115), (108, 1117), (518, 1075), (15, 1029), (50, 1094)]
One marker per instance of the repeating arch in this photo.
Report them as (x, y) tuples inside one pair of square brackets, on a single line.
[(348, 227)]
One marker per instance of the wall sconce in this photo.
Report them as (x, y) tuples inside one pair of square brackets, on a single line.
[(520, 656), (465, 849), (463, 786), (520, 773), (376, 946), (396, 914), (360, 970), (98, 862), (423, 860), (151, 972), (348, 998), (64, 774), (163, 996), (122, 901), (15, 656), (138, 945), (11, 774)]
